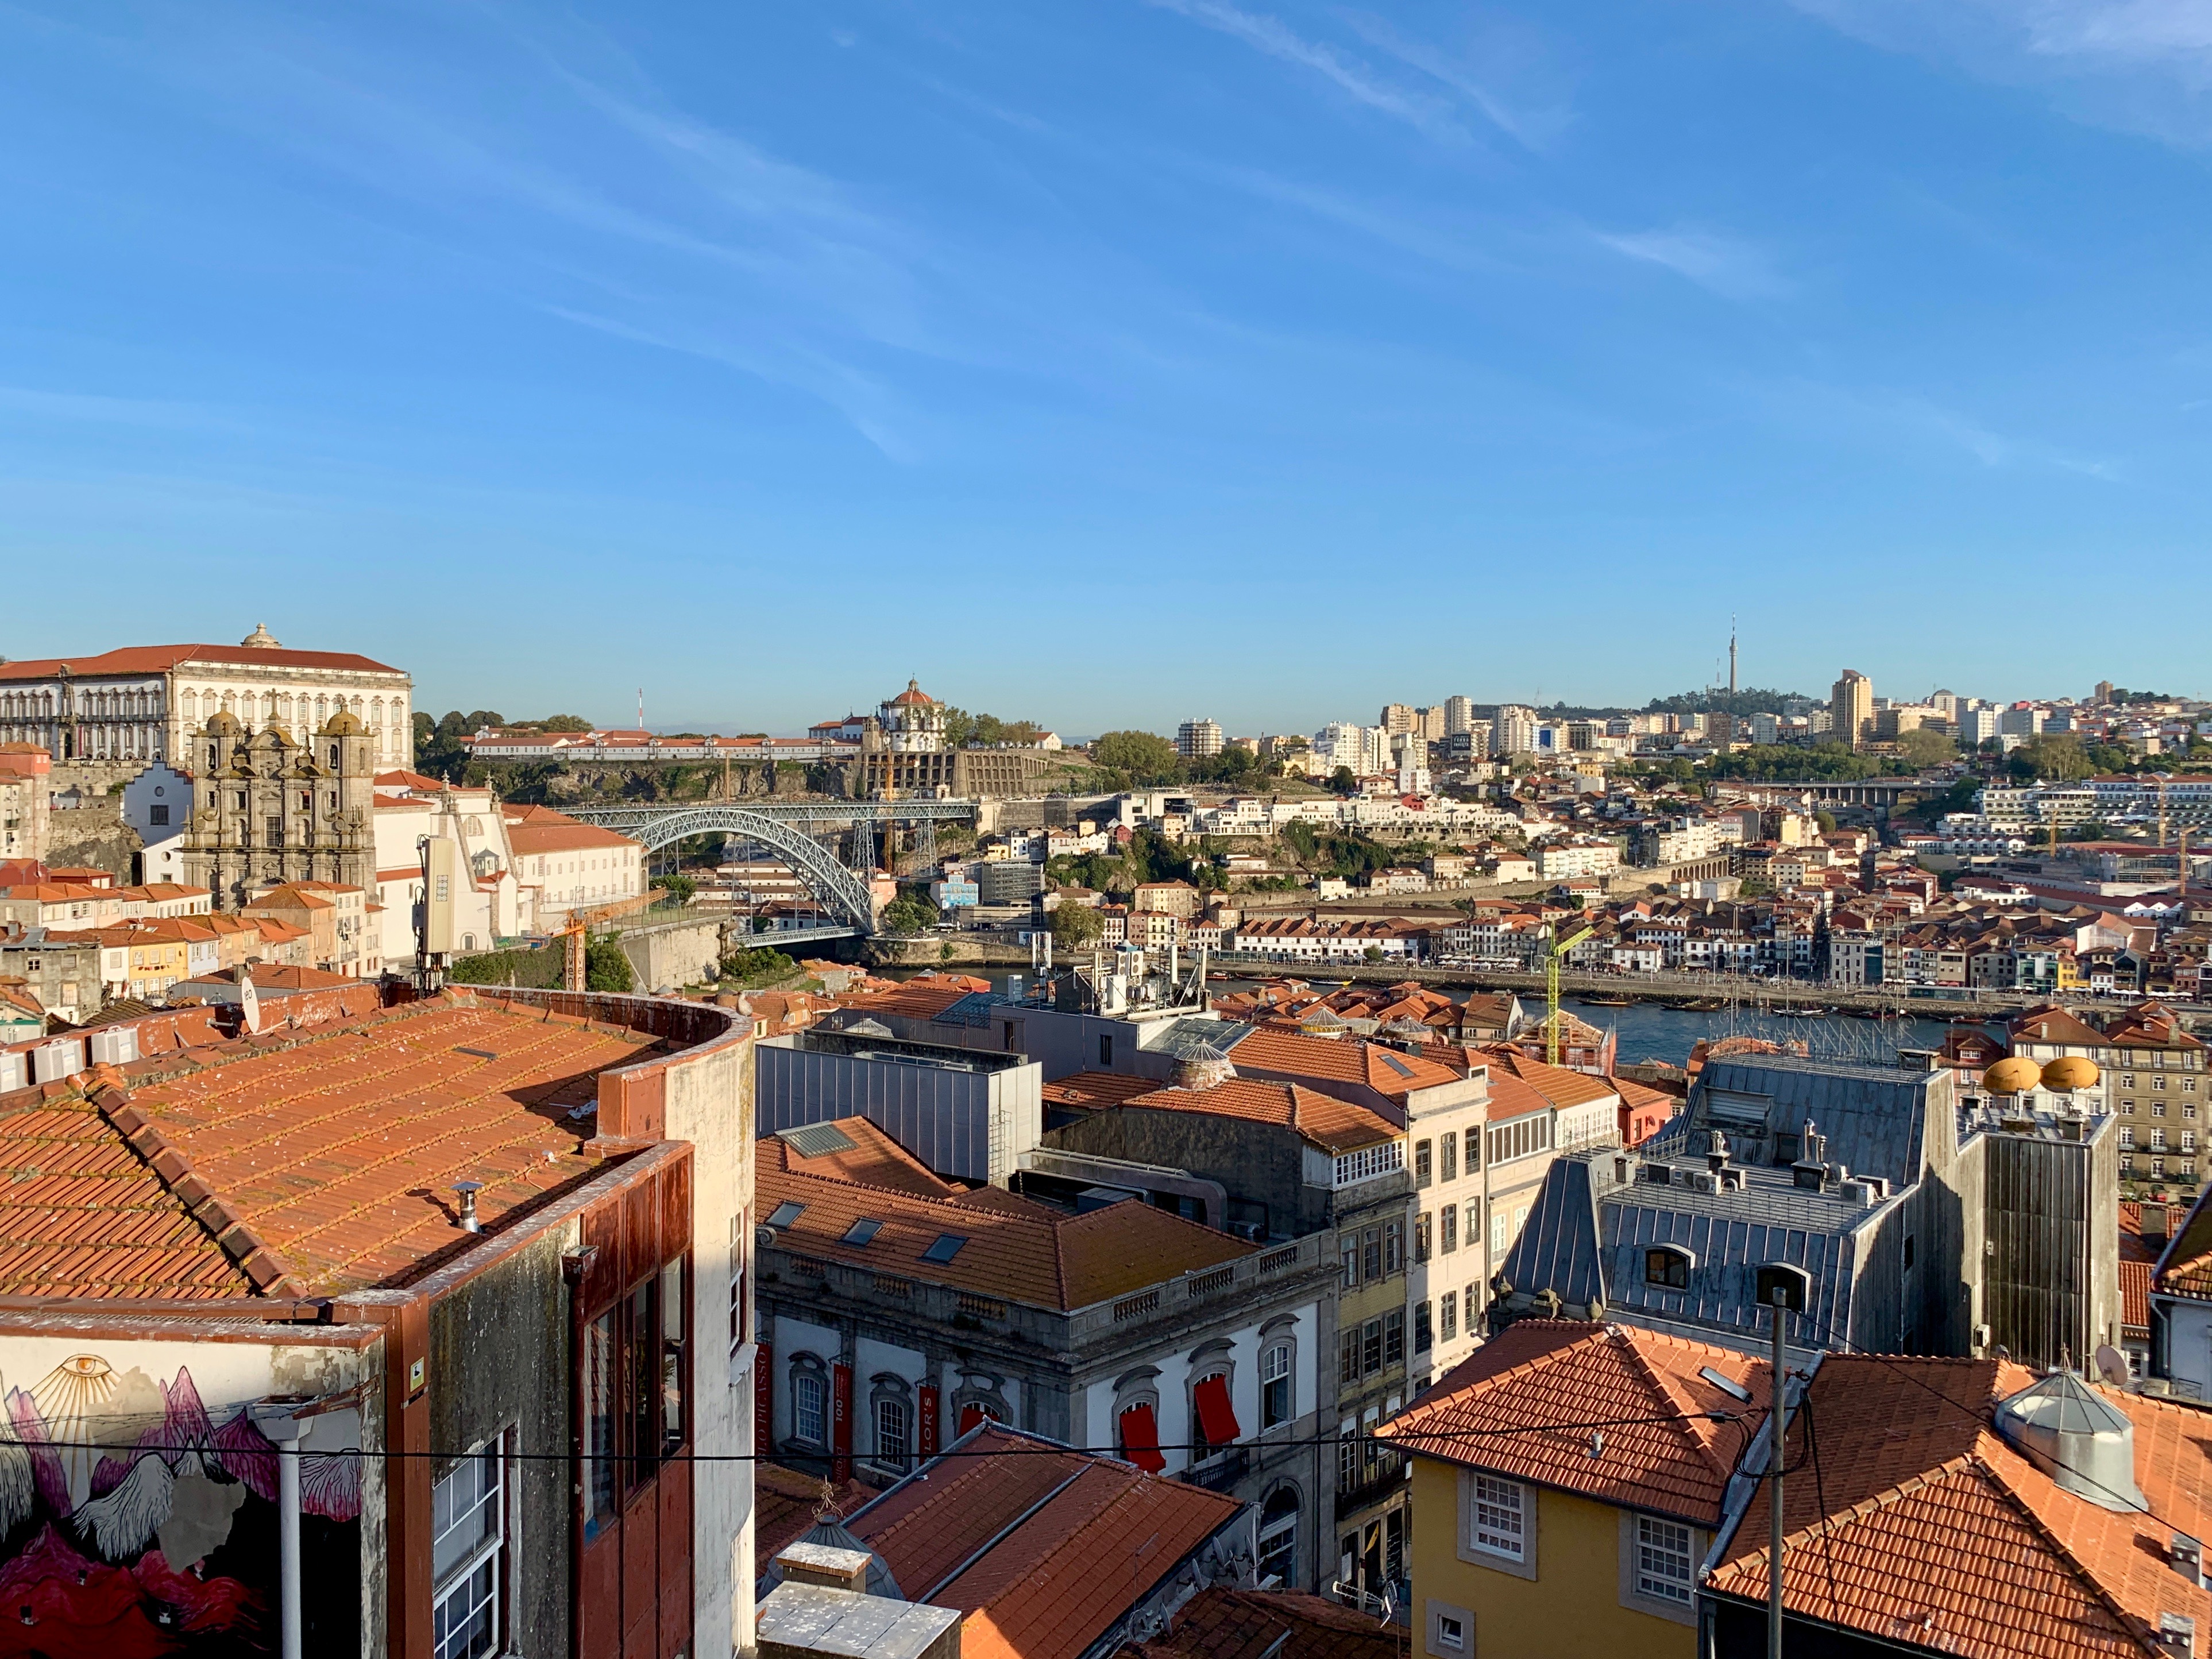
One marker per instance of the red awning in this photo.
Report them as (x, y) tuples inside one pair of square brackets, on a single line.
[(1140, 1439), (1216, 1418)]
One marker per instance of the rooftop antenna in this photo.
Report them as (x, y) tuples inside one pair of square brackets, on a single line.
[(1731, 659), (641, 708)]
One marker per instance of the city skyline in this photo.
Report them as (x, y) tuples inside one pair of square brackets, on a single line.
[(697, 339)]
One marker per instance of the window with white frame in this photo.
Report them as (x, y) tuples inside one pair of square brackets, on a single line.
[(1663, 1563), (1275, 1386), (1496, 1520), (809, 1398), (468, 1532), (892, 1441), (1369, 1161)]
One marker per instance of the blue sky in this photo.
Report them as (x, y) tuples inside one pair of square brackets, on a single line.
[(1108, 363)]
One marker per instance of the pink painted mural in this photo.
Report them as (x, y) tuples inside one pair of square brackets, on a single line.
[(135, 1523)]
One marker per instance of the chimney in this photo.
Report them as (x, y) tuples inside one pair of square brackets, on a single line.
[(2154, 1224), (468, 1190), (1716, 1152), (825, 1564)]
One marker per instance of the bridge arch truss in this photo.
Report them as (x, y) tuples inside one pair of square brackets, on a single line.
[(843, 889)]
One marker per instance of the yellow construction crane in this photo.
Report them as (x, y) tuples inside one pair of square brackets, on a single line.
[(1560, 947)]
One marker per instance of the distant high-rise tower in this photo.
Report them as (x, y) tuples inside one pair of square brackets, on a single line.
[(1198, 740), (1731, 660), (1850, 707), (1459, 714)]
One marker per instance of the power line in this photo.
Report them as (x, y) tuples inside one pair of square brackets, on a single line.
[(1045, 1447)]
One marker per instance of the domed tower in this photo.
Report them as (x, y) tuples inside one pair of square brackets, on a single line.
[(341, 760), (913, 722)]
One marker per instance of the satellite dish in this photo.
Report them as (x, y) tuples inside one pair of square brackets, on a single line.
[(2112, 1365), (249, 1002)]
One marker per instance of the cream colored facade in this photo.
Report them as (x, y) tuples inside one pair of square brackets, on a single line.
[(570, 865), (1444, 1287), (494, 904), (124, 709)]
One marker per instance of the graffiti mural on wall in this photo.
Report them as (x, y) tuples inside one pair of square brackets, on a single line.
[(135, 1523)]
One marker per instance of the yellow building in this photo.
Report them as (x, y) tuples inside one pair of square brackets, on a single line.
[(1536, 1535)]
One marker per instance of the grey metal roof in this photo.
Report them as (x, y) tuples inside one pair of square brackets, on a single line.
[(1586, 1237), (1874, 1117), (1728, 1251), (1557, 1249)]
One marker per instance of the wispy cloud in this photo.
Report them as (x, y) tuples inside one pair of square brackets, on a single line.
[(1734, 269), (1271, 35), (1533, 130), (2139, 65)]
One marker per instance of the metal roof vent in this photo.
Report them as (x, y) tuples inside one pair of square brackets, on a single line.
[(2081, 1440)]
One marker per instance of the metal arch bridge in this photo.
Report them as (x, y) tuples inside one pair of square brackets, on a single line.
[(788, 830)]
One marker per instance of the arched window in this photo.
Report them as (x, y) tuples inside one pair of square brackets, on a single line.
[(1279, 1538), (1278, 1391), (892, 1416), (810, 1401)]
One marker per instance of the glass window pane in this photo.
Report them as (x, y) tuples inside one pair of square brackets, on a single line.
[(599, 1413)]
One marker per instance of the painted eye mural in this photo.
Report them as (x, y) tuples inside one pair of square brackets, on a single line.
[(135, 1524)]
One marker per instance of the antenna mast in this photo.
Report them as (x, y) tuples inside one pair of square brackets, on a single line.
[(1731, 663)]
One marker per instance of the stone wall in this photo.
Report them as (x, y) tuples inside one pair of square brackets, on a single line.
[(94, 836)]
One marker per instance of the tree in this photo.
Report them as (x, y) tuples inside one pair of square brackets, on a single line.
[(1373, 953), (1143, 757), (606, 967), (564, 723), (1077, 925), (908, 915), (2057, 755), (1925, 748), (682, 888), (1826, 822), (481, 718), (1344, 781)]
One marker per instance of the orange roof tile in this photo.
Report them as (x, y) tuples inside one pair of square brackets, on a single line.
[(1043, 1554), (1017, 1250), (1383, 1070), (1332, 1125), (1937, 1533), (339, 1148), (152, 658), (1219, 1623), (1481, 1414), (1557, 1084), (83, 1214), (1091, 1091)]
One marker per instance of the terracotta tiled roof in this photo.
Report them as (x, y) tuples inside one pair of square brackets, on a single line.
[(83, 1214), (873, 1160), (1017, 1250), (531, 830), (1091, 1090), (338, 1149), (1041, 1553), (2138, 1261), (1334, 1126), (152, 658), (2184, 1268), (1557, 1084), (2055, 1025), (1241, 1624), (1386, 1071), (1556, 1372), (1937, 1534), (924, 998)]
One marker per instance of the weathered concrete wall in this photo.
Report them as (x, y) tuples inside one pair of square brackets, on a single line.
[(675, 954)]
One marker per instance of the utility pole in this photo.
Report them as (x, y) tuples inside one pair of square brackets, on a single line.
[(1784, 1290)]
